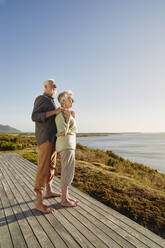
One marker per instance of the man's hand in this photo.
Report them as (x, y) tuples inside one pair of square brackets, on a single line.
[(54, 112), (58, 110)]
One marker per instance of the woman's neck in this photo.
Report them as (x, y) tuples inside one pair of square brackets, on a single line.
[(63, 106)]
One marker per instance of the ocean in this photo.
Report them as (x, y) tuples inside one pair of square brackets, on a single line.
[(144, 148)]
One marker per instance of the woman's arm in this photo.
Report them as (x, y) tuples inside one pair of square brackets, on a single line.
[(61, 124)]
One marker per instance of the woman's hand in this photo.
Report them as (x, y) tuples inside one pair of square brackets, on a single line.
[(64, 133), (72, 113), (67, 115)]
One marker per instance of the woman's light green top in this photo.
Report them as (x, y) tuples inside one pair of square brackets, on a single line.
[(68, 141)]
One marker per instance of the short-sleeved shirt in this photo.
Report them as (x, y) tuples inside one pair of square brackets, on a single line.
[(45, 128), (68, 141)]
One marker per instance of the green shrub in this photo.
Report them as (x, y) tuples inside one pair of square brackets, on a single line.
[(6, 146), (32, 157), (113, 155), (14, 142)]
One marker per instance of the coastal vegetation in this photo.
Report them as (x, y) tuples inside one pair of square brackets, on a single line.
[(133, 189), (13, 142)]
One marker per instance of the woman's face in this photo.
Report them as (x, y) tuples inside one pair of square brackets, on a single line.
[(69, 102)]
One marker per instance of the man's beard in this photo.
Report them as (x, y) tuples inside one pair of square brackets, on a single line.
[(54, 92)]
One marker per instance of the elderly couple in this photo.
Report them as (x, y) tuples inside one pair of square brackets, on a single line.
[(55, 131)]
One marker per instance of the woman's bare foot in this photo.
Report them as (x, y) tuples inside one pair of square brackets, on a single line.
[(68, 203), (52, 194), (44, 208), (74, 200)]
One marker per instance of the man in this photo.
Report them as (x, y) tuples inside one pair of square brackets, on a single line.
[(43, 115)]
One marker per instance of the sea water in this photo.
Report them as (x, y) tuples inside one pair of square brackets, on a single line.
[(144, 148)]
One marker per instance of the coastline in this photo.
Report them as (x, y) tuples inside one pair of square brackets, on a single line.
[(143, 148)]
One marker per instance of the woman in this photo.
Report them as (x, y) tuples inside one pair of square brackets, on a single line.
[(66, 145)]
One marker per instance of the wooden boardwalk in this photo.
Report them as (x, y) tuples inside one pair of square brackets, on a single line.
[(91, 224)]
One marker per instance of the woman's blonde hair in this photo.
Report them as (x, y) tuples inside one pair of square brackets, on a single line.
[(64, 95)]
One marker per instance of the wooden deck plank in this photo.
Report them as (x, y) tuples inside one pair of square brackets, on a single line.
[(122, 242), (27, 232), (58, 242), (38, 230), (48, 229), (94, 239), (15, 231), (92, 228), (79, 234), (5, 238), (142, 234), (85, 230), (67, 237), (134, 241), (114, 237), (91, 224), (88, 214), (106, 239)]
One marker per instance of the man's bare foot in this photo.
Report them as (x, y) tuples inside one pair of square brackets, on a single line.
[(74, 200), (44, 208), (68, 203), (52, 194)]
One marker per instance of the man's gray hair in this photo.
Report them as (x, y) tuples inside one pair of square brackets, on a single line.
[(47, 82), (64, 95)]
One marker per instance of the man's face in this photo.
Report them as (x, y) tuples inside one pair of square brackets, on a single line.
[(51, 88)]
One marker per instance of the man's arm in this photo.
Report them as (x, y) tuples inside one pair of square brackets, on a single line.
[(53, 112), (39, 113)]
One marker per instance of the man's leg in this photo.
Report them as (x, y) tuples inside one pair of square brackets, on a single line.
[(44, 154), (51, 172)]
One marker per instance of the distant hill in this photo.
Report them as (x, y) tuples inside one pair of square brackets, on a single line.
[(8, 129)]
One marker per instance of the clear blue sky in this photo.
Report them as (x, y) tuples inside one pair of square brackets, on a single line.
[(110, 53)]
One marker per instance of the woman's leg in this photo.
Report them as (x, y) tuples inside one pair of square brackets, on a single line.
[(66, 201), (67, 174)]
